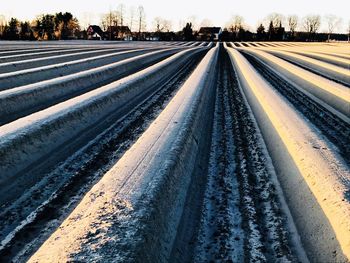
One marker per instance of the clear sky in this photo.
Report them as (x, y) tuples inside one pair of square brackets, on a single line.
[(217, 11)]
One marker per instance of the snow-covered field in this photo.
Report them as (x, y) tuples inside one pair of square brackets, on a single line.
[(174, 152)]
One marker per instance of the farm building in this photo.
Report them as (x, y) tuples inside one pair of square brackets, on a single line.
[(94, 32), (209, 33), (118, 33)]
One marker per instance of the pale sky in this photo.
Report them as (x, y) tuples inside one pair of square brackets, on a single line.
[(217, 11)]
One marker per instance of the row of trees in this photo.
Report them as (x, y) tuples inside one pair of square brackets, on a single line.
[(134, 18), (275, 27), (44, 27)]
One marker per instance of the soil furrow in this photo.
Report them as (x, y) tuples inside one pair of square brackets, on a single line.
[(241, 216), (221, 233)]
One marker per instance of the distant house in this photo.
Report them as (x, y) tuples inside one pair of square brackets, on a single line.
[(94, 32), (160, 36), (118, 33), (151, 36), (209, 33)]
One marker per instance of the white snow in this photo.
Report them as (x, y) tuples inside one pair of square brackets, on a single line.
[(29, 96), (311, 174), (139, 171), (336, 95), (328, 69), (46, 129)]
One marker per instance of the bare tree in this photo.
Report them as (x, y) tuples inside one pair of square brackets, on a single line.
[(312, 23), (141, 19), (167, 25), (235, 24), (332, 23), (120, 13), (131, 17), (108, 21), (103, 22), (292, 23), (158, 24), (275, 18), (194, 22), (161, 24)]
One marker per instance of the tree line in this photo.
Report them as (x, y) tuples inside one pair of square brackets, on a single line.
[(291, 28), (45, 27), (275, 27), (133, 18)]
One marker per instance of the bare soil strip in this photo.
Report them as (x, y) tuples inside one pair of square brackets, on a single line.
[(242, 218)]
